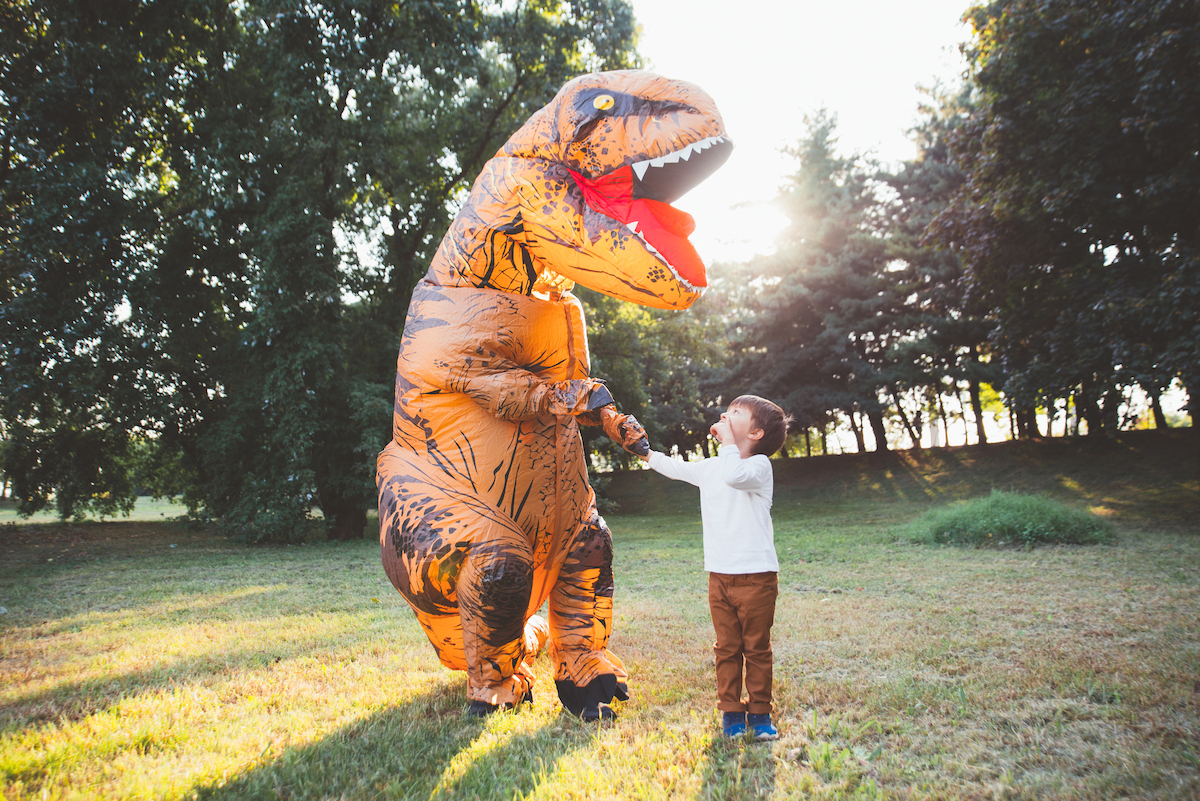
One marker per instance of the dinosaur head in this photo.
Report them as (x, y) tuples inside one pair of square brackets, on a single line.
[(616, 149)]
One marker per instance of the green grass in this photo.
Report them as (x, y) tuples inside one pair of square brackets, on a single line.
[(146, 660), (1008, 519), (146, 510)]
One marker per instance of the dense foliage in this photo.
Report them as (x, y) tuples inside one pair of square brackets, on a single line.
[(1043, 244), (1079, 219), (187, 187)]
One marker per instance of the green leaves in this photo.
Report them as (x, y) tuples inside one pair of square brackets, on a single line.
[(1080, 202), (213, 216)]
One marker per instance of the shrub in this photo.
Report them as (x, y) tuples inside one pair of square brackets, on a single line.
[(1009, 519)]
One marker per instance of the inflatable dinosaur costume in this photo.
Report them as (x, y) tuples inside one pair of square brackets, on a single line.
[(484, 506)]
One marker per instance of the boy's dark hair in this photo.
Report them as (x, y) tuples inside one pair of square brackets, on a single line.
[(770, 418)]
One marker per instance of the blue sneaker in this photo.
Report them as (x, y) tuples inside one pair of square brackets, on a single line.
[(733, 724), (763, 730)]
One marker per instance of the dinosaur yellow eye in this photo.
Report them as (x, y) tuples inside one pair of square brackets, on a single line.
[(604, 102)]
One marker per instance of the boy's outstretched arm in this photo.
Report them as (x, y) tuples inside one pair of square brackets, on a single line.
[(674, 468)]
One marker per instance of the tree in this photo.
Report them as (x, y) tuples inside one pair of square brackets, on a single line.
[(90, 94), (817, 330), (1079, 219), (944, 340)]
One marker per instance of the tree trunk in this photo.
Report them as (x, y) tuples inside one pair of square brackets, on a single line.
[(942, 416), (858, 434), (824, 440), (1160, 419), (977, 410), (808, 442), (1027, 424), (1109, 404), (1127, 419), (1091, 411), (962, 412), (877, 428), (912, 434)]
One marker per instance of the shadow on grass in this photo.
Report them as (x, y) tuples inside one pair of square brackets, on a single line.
[(738, 769), (423, 748), (52, 589), (72, 701)]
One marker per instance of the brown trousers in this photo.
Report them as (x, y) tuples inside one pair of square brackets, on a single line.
[(743, 611)]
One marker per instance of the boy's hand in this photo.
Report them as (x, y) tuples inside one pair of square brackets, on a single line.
[(722, 432)]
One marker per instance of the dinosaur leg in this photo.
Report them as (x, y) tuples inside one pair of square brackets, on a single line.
[(466, 569), (587, 674)]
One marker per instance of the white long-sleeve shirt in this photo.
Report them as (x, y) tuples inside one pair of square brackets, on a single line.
[(735, 508)]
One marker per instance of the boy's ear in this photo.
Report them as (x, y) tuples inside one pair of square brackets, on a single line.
[(756, 434)]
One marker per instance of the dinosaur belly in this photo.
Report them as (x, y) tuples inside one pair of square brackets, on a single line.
[(470, 364)]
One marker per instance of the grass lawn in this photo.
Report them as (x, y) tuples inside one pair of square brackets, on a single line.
[(140, 659), (147, 510)]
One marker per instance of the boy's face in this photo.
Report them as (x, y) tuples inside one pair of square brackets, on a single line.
[(742, 428)]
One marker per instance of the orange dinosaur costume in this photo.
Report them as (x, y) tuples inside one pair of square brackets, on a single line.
[(484, 506)]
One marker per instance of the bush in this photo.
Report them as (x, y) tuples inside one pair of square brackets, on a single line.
[(1007, 520)]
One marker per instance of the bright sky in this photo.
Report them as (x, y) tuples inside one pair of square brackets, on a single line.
[(768, 63)]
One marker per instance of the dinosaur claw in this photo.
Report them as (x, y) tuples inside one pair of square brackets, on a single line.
[(599, 397)]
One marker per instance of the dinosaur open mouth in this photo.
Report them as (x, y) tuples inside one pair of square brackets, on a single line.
[(640, 196)]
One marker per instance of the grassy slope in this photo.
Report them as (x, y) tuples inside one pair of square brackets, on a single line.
[(143, 660), (1140, 476)]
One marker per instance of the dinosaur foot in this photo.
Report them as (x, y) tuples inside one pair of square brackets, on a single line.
[(591, 703), (481, 709), (600, 713)]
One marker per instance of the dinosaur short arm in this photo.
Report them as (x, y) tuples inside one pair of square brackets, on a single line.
[(623, 429), (519, 394), (461, 340)]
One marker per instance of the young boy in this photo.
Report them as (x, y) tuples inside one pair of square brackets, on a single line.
[(736, 487)]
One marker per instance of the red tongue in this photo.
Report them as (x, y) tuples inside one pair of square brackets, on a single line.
[(669, 218), (666, 228)]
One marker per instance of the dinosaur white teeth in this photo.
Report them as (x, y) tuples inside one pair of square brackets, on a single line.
[(633, 226), (683, 154)]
